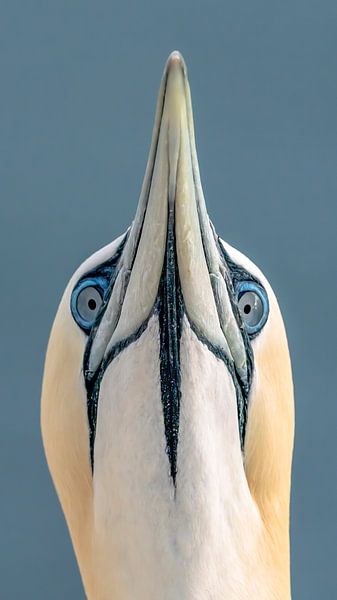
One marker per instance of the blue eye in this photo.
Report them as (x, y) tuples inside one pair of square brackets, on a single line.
[(86, 301), (253, 305)]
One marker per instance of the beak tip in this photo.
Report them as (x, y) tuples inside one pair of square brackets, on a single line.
[(175, 60)]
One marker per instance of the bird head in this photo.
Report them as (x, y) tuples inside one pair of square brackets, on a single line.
[(167, 410)]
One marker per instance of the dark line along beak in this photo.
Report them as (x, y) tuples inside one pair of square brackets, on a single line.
[(171, 183)]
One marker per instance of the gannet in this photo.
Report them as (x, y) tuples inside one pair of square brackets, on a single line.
[(167, 402)]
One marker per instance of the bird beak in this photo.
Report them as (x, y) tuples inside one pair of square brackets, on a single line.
[(172, 233)]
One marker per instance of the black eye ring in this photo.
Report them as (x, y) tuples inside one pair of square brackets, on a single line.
[(85, 316), (254, 313)]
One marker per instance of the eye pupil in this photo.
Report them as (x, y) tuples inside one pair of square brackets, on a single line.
[(247, 309), (92, 304)]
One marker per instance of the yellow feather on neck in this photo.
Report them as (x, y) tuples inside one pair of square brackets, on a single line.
[(269, 444)]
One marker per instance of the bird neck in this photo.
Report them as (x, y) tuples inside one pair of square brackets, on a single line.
[(188, 545)]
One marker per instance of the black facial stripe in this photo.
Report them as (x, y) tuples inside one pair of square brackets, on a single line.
[(171, 312)]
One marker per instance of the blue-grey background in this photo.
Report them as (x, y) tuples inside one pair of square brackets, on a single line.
[(78, 85)]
